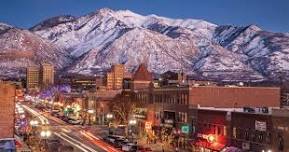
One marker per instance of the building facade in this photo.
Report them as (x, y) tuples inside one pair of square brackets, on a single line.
[(7, 102), (251, 131), (114, 78), (280, 120), (32, 77), (47, 74), (211, 130), (142, 78), (172, 108)]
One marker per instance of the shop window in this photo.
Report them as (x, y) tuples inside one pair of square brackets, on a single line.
[(260, 137), (219, 130), (246, 135)]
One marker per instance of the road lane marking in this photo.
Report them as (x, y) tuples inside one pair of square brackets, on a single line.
[(78, 142), (70, 142)]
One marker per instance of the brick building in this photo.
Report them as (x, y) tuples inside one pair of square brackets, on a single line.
[(229, 97), (141, 78), (7, 102), (211, 130), (114, 78), (251, 131), (173, 107), (280, 120)]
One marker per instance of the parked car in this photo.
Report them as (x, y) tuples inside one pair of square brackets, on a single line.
[(74, 121), (129, 147)]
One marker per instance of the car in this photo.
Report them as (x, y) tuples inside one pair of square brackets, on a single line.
[(129, 147), (119, 142), (74, 121)]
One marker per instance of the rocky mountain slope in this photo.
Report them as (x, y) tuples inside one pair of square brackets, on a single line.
[(92, 43), (21, 48)]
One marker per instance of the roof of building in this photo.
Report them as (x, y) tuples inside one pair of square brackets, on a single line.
[(142, 74)]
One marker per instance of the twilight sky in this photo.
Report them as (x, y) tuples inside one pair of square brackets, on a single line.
[(272, 15)]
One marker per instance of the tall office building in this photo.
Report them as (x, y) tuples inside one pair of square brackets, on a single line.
[(114, 78), (47, 74), (32, 77), (7, 102)]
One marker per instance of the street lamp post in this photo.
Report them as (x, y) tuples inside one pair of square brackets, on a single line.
[(131, 124), (45, 134), (109, 117), (90, 112)]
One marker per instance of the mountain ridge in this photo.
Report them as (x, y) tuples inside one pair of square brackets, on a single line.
[(99, 39)]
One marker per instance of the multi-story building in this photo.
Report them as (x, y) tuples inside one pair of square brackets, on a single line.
[(280, 120), (142, 78), (47, 74), (32, 77), (114, 78), (251, 131), (210, 129), (109, 80), (98, 104), (7, 102), (80, 83), (173, 107)]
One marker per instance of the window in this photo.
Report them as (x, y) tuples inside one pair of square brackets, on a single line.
[(246, 135), (260, 137), (219, 130), (234, 132)]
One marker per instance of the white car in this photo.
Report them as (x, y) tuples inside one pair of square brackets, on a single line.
[(74, 121)]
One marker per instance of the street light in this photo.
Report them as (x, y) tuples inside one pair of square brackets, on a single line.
[(109, 116), (45, 134), (132, 122), (90, 111), (34, 123)]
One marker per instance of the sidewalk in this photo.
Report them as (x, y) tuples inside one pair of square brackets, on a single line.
[(159, 147)]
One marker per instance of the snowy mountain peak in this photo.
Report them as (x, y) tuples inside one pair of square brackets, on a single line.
[(48, 23), (254, 27), (4, 26), (99, 39)]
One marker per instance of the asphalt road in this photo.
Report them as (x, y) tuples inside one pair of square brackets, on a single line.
[(75, 136)]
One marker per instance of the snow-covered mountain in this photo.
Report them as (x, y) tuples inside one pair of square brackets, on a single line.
[(99, 39), (21, 48)]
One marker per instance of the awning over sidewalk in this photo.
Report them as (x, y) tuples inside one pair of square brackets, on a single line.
[(205, 144), (231, 149)]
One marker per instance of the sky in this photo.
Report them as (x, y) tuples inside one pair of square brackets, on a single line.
[(271, 15)]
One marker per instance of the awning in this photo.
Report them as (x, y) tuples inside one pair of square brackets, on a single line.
[(231, 149), (205, 144)]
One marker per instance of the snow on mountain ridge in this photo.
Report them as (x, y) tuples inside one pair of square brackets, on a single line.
[(99, 39)]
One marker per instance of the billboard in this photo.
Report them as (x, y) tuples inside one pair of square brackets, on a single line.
[(7, 110)]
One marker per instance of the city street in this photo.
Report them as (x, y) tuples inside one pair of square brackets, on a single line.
[(75, 136)]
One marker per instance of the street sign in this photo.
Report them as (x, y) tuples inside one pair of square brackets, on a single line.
[(185, 129), (260, 125)]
